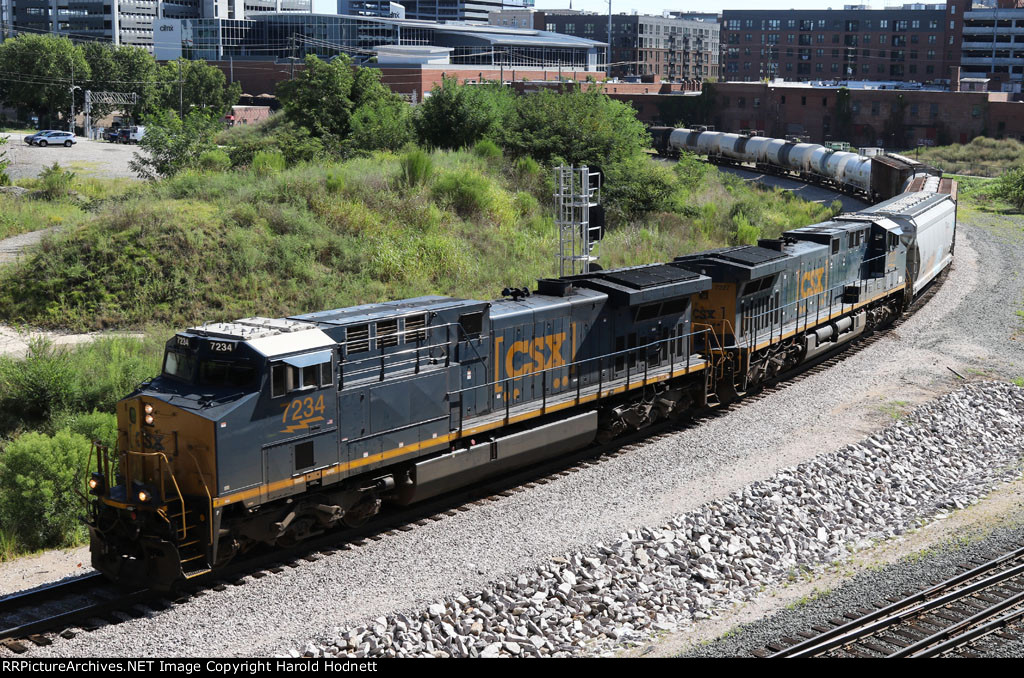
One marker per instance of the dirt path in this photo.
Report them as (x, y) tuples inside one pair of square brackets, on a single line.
[(12, 249)]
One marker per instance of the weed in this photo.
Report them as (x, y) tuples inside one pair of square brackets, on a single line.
[(417, 168), (809, 598), (214, 160), (268, 162), (56, 182), (487, 149)]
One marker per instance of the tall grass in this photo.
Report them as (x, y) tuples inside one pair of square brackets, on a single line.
[(417, 168), (982, 157), (221, 245)]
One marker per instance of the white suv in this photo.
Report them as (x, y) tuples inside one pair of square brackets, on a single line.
[(66, 138)]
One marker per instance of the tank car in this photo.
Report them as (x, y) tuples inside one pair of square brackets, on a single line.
[(872, 178)]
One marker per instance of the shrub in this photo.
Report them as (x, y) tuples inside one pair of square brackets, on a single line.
[(486, 149), (51, 382), (384, 125), (172, 144), (526, 168), (640, 185), (465, 191), (1010, 187), (335, 181), (34, 388), (56, 181), (5, 180), (39, 477), (457, 115), (214, 160), (96, 425), (417, 167), (746, 234), (268, 162)]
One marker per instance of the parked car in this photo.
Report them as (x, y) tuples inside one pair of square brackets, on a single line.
[(30, 139), (110, 134), (123, 135), (55, 137)]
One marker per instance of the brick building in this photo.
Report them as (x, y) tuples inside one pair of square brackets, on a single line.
[(863, 117), (914, 43)]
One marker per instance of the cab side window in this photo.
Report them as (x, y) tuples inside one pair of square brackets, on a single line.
[(286, 378)]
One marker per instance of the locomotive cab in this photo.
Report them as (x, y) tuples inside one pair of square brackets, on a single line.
[(156, 514)]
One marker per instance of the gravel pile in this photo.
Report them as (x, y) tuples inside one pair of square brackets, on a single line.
[(946, 455)]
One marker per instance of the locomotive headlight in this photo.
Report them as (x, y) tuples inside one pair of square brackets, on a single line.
[(143, 496), (96, 484), (148, 408), (149, 419)]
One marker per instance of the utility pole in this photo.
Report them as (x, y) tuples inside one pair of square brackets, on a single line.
[(71, 127)]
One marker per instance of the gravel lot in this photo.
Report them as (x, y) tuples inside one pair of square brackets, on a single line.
[(968, 326), (88, 158)]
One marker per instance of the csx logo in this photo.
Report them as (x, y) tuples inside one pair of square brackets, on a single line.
[(533, 355), (810, 282)]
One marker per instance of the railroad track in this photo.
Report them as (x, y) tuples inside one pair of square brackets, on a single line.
[(945, 619), (40, 616)]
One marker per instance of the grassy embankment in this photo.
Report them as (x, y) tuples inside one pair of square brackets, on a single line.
[(216, 245), (24, 214), (982, 157)]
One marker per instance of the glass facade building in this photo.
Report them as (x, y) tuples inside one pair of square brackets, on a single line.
[(281, 36)]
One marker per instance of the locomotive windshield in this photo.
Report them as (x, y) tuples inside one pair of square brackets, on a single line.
[(217, 373), (178, 365), (221, 373)]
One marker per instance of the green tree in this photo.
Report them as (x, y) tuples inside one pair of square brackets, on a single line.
[(39, 477), (172, 144), (457, 115), (122, 68), (382, 125), (577, 127), (320, 98), (1010, 187), (188, 85), (37, 74)]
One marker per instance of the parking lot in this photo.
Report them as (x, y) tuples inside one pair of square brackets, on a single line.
[(87, 158)]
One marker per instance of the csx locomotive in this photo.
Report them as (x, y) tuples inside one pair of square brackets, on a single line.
[(267, 431), (874, 178)]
